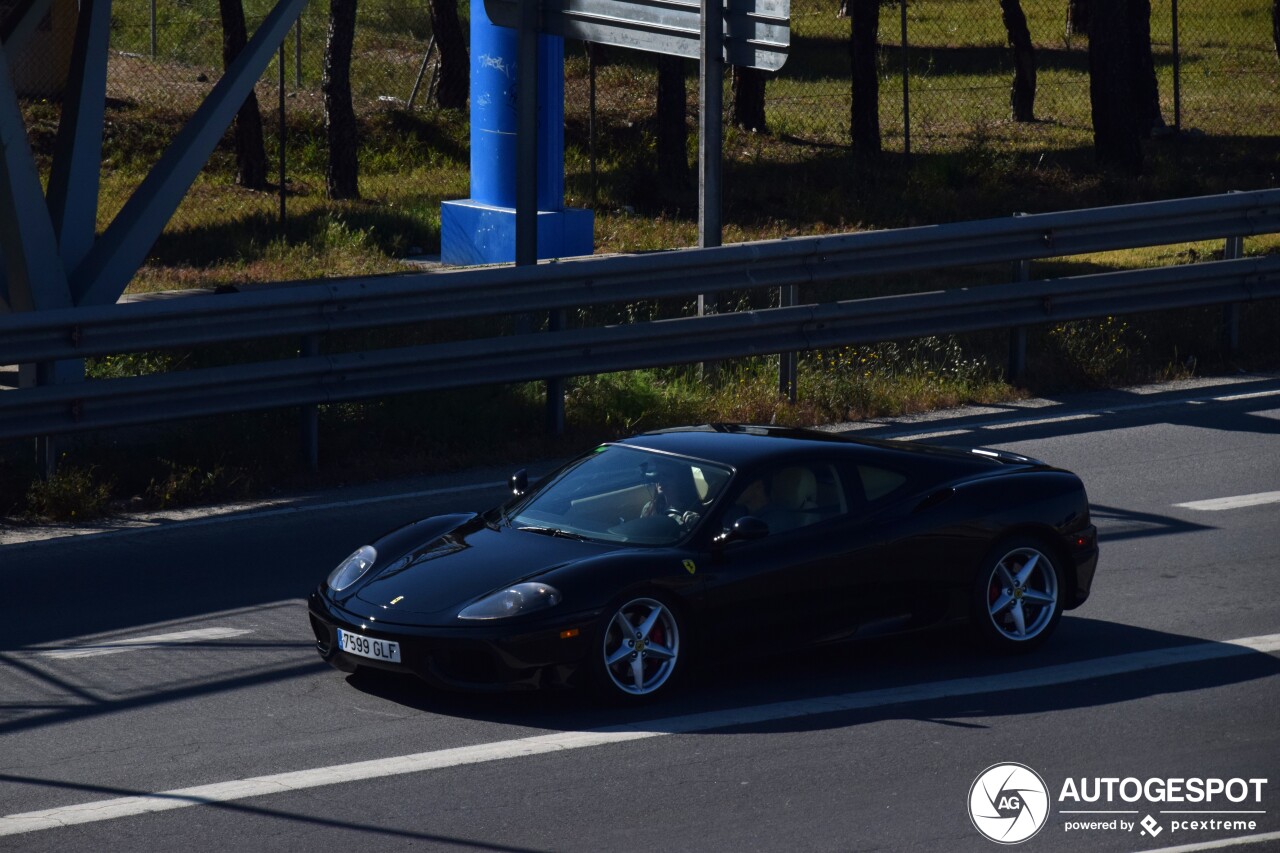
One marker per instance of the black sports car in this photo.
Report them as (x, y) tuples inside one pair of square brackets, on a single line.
[(622, 565)]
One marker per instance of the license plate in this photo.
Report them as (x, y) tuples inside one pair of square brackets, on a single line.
[(368, 647)]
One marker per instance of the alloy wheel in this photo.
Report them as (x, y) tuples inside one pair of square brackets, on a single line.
[(1022, 594), (641, 646)]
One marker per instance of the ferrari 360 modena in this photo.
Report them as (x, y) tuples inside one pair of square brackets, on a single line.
[(642, 556)]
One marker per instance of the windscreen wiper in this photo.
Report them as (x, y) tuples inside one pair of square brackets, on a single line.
[(555, 531)]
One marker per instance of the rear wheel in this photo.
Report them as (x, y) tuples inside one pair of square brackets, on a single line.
[(640, 650), (1018, 595)]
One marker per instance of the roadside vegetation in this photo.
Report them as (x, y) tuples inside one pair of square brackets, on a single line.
[(794, 179)]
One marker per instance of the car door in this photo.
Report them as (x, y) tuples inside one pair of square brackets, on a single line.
[(927, 547), (808, 579)]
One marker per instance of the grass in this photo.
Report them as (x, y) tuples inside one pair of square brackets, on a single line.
[(967, 161)]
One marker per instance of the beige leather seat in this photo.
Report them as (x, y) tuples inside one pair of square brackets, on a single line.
[(794, 500)]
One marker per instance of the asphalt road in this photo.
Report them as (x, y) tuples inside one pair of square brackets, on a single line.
[(177, 662)]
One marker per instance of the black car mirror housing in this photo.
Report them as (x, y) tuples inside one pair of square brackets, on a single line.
[(746, 529)]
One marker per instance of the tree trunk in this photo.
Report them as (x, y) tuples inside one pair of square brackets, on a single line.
[(748, 99), (1148, 94), (1275, 24), (1114, 90), (251, 151), (455, 69), (673, 126), (1078, 17), (1022, 98), (339, 116), (865, 111)]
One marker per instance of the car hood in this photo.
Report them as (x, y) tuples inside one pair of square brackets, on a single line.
[(431, 580)]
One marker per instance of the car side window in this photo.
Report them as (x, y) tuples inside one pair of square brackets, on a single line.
[(790, 497), (869, 484)]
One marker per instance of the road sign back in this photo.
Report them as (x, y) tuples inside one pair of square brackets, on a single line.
[(757, 33)]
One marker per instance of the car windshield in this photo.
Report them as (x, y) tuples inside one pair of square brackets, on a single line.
[(625, 494)]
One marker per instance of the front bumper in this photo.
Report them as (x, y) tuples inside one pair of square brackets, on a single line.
[(518, 655)]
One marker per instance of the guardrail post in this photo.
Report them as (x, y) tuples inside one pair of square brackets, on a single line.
[(49, 447), (555, 386), (1232, 250), (1018, 334), (788, 361), (310, 422)]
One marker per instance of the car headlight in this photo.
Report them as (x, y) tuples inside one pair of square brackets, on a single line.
[(353, 568), (521, 598)]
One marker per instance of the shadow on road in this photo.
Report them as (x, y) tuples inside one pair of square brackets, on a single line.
[(1115, 524), (906, 665)]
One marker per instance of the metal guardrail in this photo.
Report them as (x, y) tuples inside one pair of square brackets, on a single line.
[(318, 379), (310, 309), (360, 303)]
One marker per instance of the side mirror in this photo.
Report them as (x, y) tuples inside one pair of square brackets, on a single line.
[(519, 482), (746, 529)]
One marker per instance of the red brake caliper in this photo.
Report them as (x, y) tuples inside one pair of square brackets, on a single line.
[(657, 635)]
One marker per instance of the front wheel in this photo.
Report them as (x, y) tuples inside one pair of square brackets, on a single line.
[(1018, 595), (639, 651)]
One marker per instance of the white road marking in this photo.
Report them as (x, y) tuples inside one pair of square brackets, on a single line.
[(1220, 843), (1234, 502), (224, 792), (133, 644), (1231, 398), (1060, 419), (926, 436)]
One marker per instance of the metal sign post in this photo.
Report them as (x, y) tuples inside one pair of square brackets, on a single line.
[(527, 179), (755, 33), (710, 141), (710, 117), (747, 33), (527, 135)]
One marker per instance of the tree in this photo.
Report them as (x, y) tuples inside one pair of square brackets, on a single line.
[(455, 70), (339, 115), (1078, 17), (748, 99), (864, 122), (1275, 25), (251, 151), (673, 126), (1122, 91), (1149, 115), (1022, 98)]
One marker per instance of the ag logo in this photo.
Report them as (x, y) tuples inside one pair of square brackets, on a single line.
[(1008, 803)]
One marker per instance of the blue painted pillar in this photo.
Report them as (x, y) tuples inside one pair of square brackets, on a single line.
[(482, 229)]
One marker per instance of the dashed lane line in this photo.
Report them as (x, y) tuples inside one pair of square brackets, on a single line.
[(133, 644), (1233, 502), (1219, 843)]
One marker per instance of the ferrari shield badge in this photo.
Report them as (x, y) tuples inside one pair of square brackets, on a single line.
[(690, 566)]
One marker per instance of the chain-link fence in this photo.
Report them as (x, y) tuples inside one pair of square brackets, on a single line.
[(945, 71), (951, 86)]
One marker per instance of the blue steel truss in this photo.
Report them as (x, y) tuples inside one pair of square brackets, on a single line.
[(52, 255)]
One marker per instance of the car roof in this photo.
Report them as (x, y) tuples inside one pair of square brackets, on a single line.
[(746, 445)]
